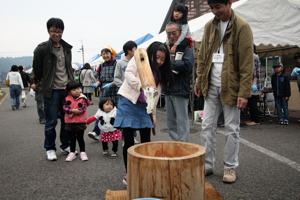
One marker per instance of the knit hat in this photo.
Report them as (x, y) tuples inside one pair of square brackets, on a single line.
[(217, 1)]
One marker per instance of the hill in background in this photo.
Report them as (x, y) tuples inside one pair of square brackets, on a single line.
[(7, 62)]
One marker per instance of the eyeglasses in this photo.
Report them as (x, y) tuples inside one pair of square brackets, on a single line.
[(172, 33)]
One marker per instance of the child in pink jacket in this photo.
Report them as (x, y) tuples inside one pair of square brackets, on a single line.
[(75, 108)]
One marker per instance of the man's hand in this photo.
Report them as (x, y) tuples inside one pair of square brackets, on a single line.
[(33, 86), (173, 49), (197, 91), (241, 102)]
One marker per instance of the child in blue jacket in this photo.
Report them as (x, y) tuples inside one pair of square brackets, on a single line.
[(282, 91)]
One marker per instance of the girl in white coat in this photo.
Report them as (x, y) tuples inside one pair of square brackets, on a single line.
[(15, 86)]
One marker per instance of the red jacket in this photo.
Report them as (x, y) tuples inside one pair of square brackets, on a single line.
[(81, 103)]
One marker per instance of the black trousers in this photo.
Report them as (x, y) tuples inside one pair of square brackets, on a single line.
[(128, 137), (76, 134), (253, 110), (114, 147)]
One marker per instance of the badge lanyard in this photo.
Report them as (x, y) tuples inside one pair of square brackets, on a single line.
[(223, 35)]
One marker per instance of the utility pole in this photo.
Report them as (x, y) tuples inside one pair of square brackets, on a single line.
[(82, 51)]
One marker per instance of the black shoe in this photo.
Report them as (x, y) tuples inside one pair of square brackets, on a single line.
[(94, 136), (65, 151), (209, 172)]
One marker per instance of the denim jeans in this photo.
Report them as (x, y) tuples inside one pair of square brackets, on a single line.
[(15, 92), (96, 128), (282, 108), (178, 123), (212, 109), (53, 107)]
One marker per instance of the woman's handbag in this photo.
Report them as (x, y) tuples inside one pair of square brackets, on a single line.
[(7, 82)]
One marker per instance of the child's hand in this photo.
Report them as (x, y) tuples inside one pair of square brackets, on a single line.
[(75, 111)]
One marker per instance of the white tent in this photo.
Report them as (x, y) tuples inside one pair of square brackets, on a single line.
[(275, 22)]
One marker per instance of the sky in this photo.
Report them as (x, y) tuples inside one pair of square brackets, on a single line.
[(93, 23)]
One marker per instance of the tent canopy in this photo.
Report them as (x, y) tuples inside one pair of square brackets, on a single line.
[(273, 22), (97, 58)]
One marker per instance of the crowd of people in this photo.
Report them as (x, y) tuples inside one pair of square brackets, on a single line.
[(226, 78)]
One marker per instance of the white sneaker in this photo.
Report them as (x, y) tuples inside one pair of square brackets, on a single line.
[(83, 156), (229, 176), (71, 156), (51, 155), (136, 141), (93, 135)]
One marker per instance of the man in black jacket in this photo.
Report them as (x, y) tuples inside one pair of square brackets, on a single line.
[(26, 82), (52, 70), (178, 92)]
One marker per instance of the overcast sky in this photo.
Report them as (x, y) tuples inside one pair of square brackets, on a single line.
[(95, 23)]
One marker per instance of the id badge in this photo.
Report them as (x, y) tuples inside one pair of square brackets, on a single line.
[(218, 58)]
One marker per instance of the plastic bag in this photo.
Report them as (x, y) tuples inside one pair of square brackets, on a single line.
[(32, 92), (23, 95)]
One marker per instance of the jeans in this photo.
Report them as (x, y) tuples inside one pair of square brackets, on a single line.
[(282, 108), (53, 107), (15, 92), (212, 109), (178, 123)]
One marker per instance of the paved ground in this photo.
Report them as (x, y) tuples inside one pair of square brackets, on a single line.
[(269, 162)]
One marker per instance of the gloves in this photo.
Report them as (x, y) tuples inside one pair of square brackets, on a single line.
[(296, 72), (254, 88)]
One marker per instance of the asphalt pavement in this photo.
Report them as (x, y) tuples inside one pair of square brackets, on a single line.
[(269, 161)]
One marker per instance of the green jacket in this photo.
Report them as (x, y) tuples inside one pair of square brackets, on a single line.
[(236, 74), (44, 65)]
